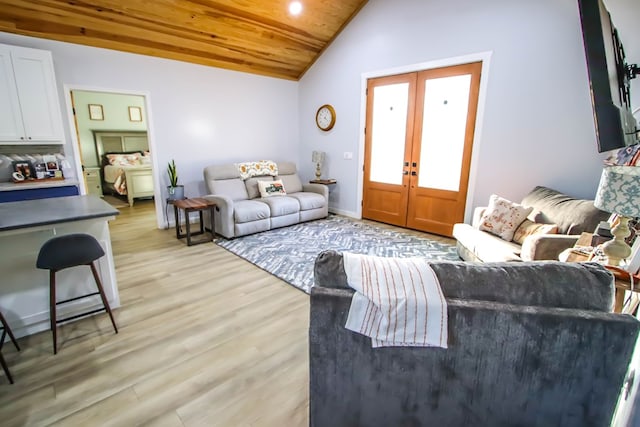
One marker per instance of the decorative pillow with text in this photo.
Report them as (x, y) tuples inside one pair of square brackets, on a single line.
[(271, 188), (502, 217)]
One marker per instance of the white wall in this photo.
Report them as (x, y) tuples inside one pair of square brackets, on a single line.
[(197, 115), (538, 127)]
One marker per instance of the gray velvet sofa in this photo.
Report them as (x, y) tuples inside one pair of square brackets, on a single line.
[(530, 344), (240, 210), (572, 216)]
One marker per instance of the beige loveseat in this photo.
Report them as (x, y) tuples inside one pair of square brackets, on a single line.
[(240, 210), (572, 217)]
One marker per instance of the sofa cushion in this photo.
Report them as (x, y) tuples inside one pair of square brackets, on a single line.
[(232, 188), (529, 228), (287, 168), (485, 246), (503, 216), (291, 182), (309, 201), (282, 205), (573, 216), (250, 210), (252, 185)]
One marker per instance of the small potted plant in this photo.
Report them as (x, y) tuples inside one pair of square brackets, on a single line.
[(176, 192)]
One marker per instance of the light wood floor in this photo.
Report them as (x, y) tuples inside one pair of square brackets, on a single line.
[(206, 339)]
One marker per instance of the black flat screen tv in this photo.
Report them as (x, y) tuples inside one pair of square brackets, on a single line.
[(609, 78)]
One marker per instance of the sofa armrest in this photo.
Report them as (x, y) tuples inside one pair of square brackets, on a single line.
[(538, 247), (477, 214), (321, 189), (224, 223)]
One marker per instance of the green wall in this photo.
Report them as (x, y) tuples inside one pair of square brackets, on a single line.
[(115, 108)]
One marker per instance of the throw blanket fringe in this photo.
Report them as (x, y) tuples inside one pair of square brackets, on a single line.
[(259, 168), (398, 301)]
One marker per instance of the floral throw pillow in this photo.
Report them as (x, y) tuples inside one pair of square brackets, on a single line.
[(529, 228), (503, 216), (271, 188)]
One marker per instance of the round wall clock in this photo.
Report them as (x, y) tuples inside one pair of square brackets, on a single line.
[(326, 117)]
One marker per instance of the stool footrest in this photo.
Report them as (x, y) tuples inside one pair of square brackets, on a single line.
[(86, 313), (77, 298)]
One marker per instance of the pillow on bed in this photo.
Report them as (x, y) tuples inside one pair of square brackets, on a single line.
[(123, 159)]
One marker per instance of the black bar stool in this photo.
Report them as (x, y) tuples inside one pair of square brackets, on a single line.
[(67, 251), (6, 330)]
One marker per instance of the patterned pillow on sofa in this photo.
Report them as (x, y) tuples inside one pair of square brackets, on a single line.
[(502, 217), (271, 188)]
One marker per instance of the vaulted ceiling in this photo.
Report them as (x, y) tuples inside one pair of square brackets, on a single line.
[(253, 36)]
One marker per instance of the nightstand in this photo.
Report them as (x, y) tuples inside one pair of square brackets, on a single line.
[(94, 183)]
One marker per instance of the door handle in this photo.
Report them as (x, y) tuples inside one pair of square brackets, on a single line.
[(413, 173), (414, 164), (406, 164), (405, 172)]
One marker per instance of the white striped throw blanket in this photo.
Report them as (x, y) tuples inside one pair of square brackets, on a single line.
[(398, 301), (259, 168)]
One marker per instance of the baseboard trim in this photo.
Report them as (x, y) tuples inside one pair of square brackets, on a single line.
[(349, 214)]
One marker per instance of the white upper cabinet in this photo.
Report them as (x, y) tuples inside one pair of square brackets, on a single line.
[(10, 117), (29, 108)]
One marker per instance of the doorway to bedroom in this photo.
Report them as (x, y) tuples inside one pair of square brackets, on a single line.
[(111, 130)]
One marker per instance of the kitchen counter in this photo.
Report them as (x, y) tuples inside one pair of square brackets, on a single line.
[(32, 213), (44, 183), (24, 227), (38, 189)]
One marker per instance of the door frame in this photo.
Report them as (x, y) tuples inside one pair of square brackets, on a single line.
[(75, 144), (485, 58)]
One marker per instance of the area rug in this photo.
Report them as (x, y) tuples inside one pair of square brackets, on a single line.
[(289, 252)]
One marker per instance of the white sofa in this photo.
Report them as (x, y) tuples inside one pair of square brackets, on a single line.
[(240, 210), (572, 216)]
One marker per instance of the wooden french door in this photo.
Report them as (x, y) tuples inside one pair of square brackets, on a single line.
[(419, 136)]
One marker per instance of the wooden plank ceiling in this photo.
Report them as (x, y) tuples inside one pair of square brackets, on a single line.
[(253, 36)]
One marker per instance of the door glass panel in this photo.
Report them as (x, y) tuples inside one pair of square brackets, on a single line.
[(389, 133), (446, 101)]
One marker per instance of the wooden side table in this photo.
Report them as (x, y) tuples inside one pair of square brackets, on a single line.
[(193, 205), (623, 303)]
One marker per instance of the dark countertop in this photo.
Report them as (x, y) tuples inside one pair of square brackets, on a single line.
[(33, 213), (44, 183)]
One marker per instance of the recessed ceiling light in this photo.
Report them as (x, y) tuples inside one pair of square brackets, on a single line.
[(295, 7)]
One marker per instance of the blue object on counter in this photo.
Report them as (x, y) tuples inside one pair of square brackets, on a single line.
[(38, 193)]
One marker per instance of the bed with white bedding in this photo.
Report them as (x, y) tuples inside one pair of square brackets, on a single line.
[(126, 164), (133, 181)]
